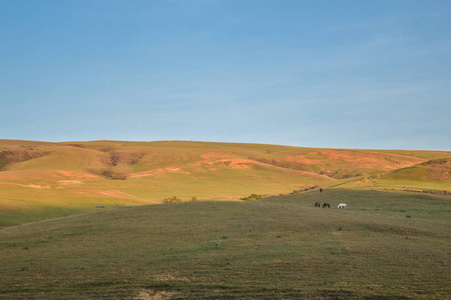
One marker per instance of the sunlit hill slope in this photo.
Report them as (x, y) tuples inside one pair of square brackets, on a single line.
[(41, 180)]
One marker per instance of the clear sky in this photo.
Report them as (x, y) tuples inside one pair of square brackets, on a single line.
[(335, 74)]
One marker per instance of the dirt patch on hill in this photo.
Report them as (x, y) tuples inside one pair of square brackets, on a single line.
[(75, 174), (35, 186), (109, 193), (65, 182), (154, 295), (176, 170), (159, 171), (113, 194), (147, 173), (213, 161), (291, 162)]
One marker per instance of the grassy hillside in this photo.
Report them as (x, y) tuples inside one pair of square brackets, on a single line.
[(43, 180), (430, 176), (386, 245)]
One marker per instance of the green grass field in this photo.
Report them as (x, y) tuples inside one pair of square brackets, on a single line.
[(386, 245)]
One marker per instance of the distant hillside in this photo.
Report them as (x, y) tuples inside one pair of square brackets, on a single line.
[(432, 170), (433, 175), (40, 180)]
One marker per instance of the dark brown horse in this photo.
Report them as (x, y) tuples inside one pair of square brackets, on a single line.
[(317, 204), (326, 205)]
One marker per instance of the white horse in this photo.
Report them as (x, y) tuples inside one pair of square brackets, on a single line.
[(341, 205)]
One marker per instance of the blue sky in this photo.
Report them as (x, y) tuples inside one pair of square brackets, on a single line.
[(335, 74)]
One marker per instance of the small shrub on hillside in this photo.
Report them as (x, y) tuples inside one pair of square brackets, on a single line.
[(113, 175), (4, 163), (310, 188), (252, 197), (172, 199), (14, 155)]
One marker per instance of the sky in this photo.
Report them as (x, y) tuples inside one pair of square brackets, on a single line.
[(329, 74)]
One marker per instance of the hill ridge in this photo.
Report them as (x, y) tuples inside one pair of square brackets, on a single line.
[(77, 173)]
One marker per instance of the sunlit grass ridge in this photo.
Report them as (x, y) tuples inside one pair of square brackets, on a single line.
[(58, 179)]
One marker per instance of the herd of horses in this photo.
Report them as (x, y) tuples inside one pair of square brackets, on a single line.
[(317, 204), (341, 205)]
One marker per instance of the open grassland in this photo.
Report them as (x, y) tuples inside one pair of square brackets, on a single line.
[(386, 245), (40, 180)]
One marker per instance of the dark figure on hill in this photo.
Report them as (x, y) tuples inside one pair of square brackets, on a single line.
[(317, 204), (321, 190), (326, 205)]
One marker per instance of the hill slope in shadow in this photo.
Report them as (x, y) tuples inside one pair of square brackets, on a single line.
[(385, 245)]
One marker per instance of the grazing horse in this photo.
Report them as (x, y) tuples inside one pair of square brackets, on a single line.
[(317, 204), (342, 205), (326, 205)]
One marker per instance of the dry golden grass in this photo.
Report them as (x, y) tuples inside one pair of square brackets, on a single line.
[(78, 177)]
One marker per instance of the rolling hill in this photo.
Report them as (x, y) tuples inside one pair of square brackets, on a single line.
[(40, 180), (88, 232)]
